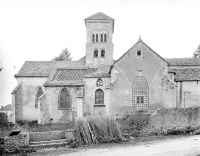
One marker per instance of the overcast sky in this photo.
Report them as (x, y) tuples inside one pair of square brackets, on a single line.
[(38, 30)]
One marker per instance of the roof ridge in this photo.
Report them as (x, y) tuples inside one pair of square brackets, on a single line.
[(99, 15)]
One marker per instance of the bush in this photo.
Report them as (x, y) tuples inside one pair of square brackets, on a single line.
[(3, 119)]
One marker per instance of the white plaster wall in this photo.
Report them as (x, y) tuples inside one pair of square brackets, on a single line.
[(29, 86), (190, 94)]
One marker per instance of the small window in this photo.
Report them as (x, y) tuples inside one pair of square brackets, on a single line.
[(99, 96), (39, 93), (140, 99), (64, 100), (101, 37), (139, 53), (99, 83), (105, 37), (95, 53), (93, 38), (96, 37), (102, 53)]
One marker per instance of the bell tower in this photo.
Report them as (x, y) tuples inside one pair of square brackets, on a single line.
[(99, 46)]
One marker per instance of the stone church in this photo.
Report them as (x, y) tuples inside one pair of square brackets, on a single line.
[(140, 80)]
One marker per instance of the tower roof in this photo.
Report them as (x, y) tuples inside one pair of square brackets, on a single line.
[(99, 16)]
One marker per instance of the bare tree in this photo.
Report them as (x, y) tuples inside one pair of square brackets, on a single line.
[(64, 56), (196, 54)]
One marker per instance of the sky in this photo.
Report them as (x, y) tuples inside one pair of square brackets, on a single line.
[(38, 30)]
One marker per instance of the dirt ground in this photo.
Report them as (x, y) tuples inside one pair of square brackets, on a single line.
[(148, 145)]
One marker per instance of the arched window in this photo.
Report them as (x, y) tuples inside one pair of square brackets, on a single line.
[(140, 92), (99, 83), (39, 92), (102, 53), (105, 37), (95, 53), (101, 37), (96, 37), (93, 38), (64, 100), (99, 96)]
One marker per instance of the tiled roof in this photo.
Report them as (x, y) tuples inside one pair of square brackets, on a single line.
[(187, 74), (184, 61), (7, 108), (99, 16), (62, 77), (44, 68), (72, 74)]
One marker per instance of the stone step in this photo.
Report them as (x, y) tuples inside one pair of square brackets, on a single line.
[(51, 143)]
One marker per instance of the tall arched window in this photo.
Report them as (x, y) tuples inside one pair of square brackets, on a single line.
[(93, 38), (101, 37), (105, 38), (103, 53), (95, 53), (96, 37), (99, 96), (140, 93), (64, 100), (39, 92)]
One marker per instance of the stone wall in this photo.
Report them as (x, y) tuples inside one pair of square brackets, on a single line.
[(175, 117), (52, 110), (89, 97), (46, 136)]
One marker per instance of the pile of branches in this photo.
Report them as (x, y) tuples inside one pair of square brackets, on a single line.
[(93, 130)]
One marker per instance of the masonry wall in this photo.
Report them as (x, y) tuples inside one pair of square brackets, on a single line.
[(174, 118), (89, 97), (56, 115), (188, 94), (126, 69), (98, 27), (25, 98)]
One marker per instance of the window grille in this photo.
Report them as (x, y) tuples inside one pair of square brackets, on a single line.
[(99, 96), (140, 93), (64, 99)]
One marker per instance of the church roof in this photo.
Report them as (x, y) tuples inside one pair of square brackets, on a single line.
[(184, 61), (99, 16), (64, 77), (187, 74), (44, 68), (139, 41)]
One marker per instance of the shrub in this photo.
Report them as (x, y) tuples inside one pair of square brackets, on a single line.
[(3, 119)]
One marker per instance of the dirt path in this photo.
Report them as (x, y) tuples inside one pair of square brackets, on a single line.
[(186, 146)]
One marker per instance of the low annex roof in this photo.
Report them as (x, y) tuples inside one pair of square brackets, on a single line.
[(184, 61), (187, 74), (64, 77)]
